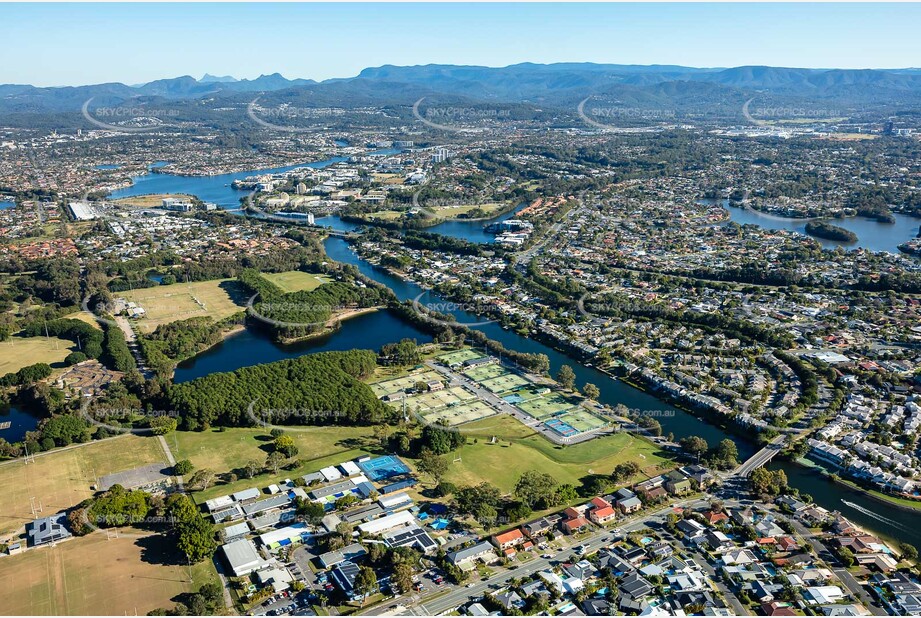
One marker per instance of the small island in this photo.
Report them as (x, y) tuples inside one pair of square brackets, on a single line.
[(822, 229)]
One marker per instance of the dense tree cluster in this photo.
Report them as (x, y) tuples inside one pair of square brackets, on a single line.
[(177, 341), (325, 388), (119, 507)]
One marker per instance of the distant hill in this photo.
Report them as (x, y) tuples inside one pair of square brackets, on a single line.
[(558, 86)]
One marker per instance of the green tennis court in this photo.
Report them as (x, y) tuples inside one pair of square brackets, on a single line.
[(454, 358), (581, 419), (486, 372), (504, 383), (463, 413), (546, 406), (396, 385)]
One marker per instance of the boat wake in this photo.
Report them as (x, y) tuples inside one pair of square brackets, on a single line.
[(875, 516)]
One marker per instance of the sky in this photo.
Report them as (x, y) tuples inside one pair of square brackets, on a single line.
[(75, 44)]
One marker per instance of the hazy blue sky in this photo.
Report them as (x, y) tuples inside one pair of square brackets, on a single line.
[(67, 44)]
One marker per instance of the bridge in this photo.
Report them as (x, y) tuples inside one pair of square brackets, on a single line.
[(760, 458)]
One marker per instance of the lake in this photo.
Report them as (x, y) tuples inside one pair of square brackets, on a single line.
[(22, 421), (871, 234)]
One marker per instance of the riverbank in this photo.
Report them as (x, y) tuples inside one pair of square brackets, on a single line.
[(902, 503), (332, 325)]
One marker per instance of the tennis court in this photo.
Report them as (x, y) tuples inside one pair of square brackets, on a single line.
[(504, 383), (564, 429), (397, 385), (457, 415), (434, 400), (581, 420), (485, 372), (458, 357), (546, 406), (384, 467)]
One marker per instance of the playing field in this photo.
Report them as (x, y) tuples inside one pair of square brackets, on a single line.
[(19, 352), (296, 280), (397, 385), (61, 479), (95, 576), (167, 303), (519, 449), (453, 358)]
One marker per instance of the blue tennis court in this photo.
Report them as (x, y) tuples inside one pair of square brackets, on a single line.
[(384, 467), (513, 398), (564, 429)]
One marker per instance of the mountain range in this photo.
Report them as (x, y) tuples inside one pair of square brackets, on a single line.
[(533, 84)]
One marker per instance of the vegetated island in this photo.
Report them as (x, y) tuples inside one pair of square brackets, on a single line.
[(822, 229)]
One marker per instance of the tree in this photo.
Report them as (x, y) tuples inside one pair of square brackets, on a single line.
[(727, 452), (162, 425), (693, 445), (309, 510), (182, 467), (274, 461), (285, 445), (196, 539), (591, 391), (624, 471), (252, 468), (768, 483), (202, 479), (566, 377), (365, 582), (536, 489), (403, 577), (432, 464), (909, 551)]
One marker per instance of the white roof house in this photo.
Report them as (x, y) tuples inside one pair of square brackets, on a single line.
[(376, 526), (242, 557), (349, 468), (331, 473)]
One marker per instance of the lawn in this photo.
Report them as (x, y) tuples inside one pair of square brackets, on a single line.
[(61, 479), (219, 299), (295, 280), (19, 352), (520, 449), (452, 212), (96, 576), (223, 451)]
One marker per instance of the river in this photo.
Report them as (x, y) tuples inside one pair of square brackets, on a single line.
[(871, 234), (371, 331)]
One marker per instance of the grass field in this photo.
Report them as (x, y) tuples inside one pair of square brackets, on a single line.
[(95, 576), (451, 212), (223, 451), (86, 316), (167, 303), (520, 449), (61, 479), (19, 352), (296, 280)]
